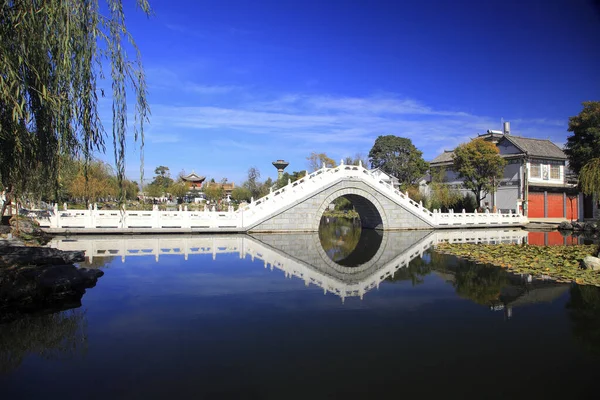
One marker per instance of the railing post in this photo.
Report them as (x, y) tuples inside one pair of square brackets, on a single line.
[(123, 212), (56, 216), (91, 223), (155, 218)]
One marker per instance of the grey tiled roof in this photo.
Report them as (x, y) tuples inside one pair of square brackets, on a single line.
[(541, 148), (445, 157), (537, 147)]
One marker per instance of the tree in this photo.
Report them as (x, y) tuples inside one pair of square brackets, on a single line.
[(398, 157), (161, 170), (317, 161), (584, 144), (240, 194), (162, 178), (356, 159), (287, 177), (252, 183), (51, 61), (93, 182), (214, 192), (480, 165), (178, 189), (589, 177)]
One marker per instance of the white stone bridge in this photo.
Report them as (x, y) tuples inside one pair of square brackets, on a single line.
[(297, 207), (297, 255)]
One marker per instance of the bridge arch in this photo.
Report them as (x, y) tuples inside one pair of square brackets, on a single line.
[(371, 212)]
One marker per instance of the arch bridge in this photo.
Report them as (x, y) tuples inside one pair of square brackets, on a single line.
[(297, 207)]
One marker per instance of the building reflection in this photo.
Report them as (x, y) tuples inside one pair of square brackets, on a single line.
[(371, 257)]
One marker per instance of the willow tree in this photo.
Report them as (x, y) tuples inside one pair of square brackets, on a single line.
[(589, 177), (53, 57)]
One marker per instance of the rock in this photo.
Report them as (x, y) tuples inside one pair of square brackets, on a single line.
[(565, 226), (24, 255), (28, 229), (32, 288), (592, 263), (577, 226), (589, 226)]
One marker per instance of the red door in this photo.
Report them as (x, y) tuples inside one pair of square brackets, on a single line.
[(572, 208), (535, 205), (555, 205)]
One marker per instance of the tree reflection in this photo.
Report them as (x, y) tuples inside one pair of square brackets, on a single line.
[(339, 237), (481, 284), (584, 311), (416, 270), (51, 336)]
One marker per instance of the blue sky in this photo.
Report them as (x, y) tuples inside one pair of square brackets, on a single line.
[(235, 84)]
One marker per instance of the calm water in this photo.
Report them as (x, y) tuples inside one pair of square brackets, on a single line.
[(342, 314)]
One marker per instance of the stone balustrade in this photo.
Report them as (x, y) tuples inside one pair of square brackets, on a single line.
[(298, 206)]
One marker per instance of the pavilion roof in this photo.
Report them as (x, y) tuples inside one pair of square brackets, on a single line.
[(193, 177)]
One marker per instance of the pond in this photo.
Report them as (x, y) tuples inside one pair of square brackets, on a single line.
[(346, 313)]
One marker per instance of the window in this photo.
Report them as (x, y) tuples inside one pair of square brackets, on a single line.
[(535, 171), (555, 172)]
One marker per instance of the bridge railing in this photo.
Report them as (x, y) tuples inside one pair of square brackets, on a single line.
[(130, 219), (262, 208), (294, 191)]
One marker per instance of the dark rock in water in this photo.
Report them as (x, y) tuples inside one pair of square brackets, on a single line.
[(36, 287), (577, 226), (589, 226), (36, 278), (565, 226), (24, 255)]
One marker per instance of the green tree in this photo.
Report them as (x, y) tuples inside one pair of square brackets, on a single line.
[(162, 178), (287, 177), (398, 157), (214, 192), (51, 61), (584, 144), (240, 194), (480, 165), (93, 182), (358, 157), (131, 189), (152, 190), (178, 189), (441, 197), (317, 161), (589, 177), (161, 170)]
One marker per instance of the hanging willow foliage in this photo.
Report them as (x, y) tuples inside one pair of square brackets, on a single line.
[(52, 54), (589, 177)]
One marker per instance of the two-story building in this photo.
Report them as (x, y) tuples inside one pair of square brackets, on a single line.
[(535, 179), (193, 181)]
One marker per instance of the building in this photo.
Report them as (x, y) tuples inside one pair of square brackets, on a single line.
[(536, 179), (389, 179), (193, 181), (227, 187)]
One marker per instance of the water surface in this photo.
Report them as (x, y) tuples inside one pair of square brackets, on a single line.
[(342, 314)]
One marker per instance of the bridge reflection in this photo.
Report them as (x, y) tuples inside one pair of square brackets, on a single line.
[(297, 255)]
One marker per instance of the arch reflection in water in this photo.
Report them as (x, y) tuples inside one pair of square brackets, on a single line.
[(347, 244), (297, 255)]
